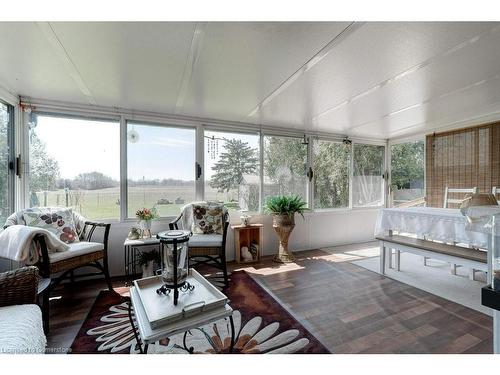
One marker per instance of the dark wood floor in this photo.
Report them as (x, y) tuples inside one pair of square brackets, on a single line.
[(350, 309)]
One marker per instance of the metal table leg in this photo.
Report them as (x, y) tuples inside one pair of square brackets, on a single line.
[(190, 349), (231, 322), (134, 331)]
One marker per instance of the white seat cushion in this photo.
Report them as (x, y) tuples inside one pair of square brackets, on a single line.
[(76, 249), (21, 329), (205, 240)]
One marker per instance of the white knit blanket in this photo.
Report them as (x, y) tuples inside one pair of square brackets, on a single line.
[(21, 330), (16, 243)]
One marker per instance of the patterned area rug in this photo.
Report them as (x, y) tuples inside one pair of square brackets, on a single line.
[(261, 326)]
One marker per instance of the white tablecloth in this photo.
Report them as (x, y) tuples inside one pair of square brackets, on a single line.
[(440, 224)]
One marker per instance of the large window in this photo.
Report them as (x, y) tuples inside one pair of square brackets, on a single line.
[(160, 168), (407, 174), (367, 179), (331, 174), (6, 126), (75, 162), (232, 169), (285, 166)]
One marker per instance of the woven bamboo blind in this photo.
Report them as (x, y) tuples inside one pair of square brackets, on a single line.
[(464, 158)]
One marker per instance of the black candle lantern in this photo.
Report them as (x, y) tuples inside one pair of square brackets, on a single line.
[(175, 262)]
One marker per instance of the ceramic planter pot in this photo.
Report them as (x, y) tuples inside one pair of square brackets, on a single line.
[(283, 226)]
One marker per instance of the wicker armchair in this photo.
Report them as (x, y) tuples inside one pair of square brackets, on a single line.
[(58, 266), (90, 251), (21, 327), (209, 249), (19, 287)]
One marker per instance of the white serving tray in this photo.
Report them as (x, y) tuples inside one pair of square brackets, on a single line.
[(160, 309)]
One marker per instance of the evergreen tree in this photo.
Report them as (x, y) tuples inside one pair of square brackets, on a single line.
[(237, 160)]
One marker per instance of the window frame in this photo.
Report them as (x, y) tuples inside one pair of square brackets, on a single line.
[(69, 115), (385, 175), (124, 161), (392, 142), (11, 163), (312, 182), (200, 126), (309, 193), (235, 130)]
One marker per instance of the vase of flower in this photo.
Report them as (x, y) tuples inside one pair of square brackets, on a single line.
[(145, 227), (145, 217)]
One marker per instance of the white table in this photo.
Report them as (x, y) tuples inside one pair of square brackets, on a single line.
[(448, 225), (438, 224), (149, 335)]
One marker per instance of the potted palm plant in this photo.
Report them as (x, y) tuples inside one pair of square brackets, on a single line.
[(147, 262), (283, 208)]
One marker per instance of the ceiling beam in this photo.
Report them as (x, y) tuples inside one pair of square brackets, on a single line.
[(190, 66), (315, 59), (65, 58)]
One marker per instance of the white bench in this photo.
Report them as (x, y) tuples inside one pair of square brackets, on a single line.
[(472, 258)]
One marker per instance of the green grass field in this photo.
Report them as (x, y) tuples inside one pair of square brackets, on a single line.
[(105, 203)]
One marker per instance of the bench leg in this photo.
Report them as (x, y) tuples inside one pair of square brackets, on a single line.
[(453, 269), (472, 274), (398, 260), (382, 258)]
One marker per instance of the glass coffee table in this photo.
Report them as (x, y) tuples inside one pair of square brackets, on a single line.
[(186, 315)]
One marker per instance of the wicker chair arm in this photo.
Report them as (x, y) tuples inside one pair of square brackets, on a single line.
[(19, 287), (89, 230), (173, 224)]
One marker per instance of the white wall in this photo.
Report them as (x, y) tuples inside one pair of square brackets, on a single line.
[(318, 229)]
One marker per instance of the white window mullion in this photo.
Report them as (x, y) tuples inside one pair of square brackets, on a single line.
[(123, 170), (200, 159), (351, 175), (310, 163), (261, 171), (388, 177)]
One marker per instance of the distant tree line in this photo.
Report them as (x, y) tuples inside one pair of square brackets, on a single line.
[(45, 173)]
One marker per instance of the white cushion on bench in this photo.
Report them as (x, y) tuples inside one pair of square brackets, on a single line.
[(21, 329), (76, 249), (205, 240)]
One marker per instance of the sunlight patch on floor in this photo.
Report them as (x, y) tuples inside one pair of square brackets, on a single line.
[(271, 270), (347, 253)]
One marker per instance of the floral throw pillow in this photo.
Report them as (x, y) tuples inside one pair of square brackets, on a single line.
[(207, 219), (58, 221)]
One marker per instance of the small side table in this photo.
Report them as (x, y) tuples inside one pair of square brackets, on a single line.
[(246, 236), (132, 252)]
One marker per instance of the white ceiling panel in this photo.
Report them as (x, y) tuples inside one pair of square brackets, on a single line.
[(474, 101), (474, 62), (373, 54), (28, 65), (373, 80), (240, 64), (135, 65)]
